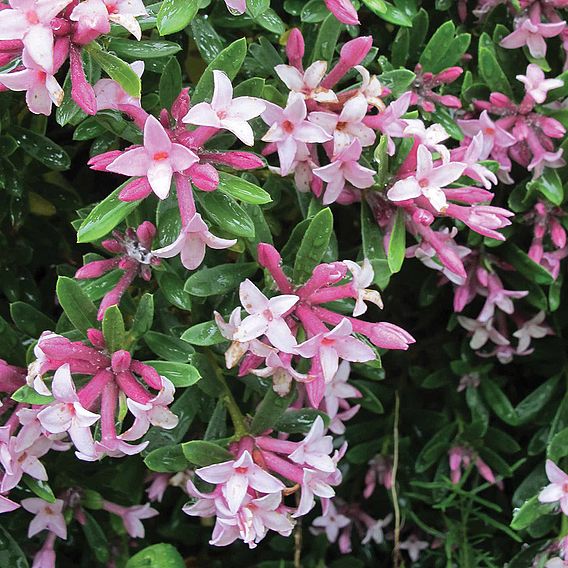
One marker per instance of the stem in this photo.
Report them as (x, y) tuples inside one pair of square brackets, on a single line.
[(396, 549), (298, 544), (241, 429)]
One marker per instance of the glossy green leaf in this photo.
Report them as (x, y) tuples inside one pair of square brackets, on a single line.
[(525, 265), (299, 421), (29, 319), (180, 374), (157, 556), (116, 69), (175, 15), (549, 185), (143, 49), (96, 538), (75, 303), (397, 243), (203, 334), (168, 347), (314, 244), (202, 453), (41, 148), (169, 459), (113, 329), (170, 83), (219, 279), (106, 215), (242, 190), (225, 212), (40, 488), (269, 411), (30, 396), (11, 554)]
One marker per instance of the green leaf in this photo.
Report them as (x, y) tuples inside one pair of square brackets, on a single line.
[(326, 40), (219, 279), (229, 60), (40, 488), (370, 400), (388, 12), (169, 459), (175, 15), (269, 411), (373, 248), (143, 318), (558, 446), (143, 49), (549, 184), (29, 319), (81, 312), (299, 421), (115, 68), (170, 83), (490, 69), (96, 538), (157, 556), (168, 347), (257, 7), (243, 190), (225, 212), (10, 553), (398, 81), (180, 374), (41, 149), (314, 244), (438, 45), (105, 217), (203, 334), (113, 329), (397, 243), (271, 21), (434, 448), (172, 287), (525, 265), (530, 511), (30, 396), (202, 453), (314, 11)]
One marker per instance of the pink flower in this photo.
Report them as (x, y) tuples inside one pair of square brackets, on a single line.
[(15, 463), (157, 160), (48, 516), (428, 181), (414, 547), (536, 85), (314, 484), (225, 112), (557, 490), (315, 448), (192, 242), (344, 168), (237, 476), (288, 128), (132, 516), (110, 94), (339, 389), (348, 125), (532, 328), (375, 531), (330, 346), (493, 134), (363, 277), (42, 88), (483, 331), (307, 83), (29, 20), (236, 7), (531, 32), (332, 522), (279, 367), (266, 317), (344, 11), (7, 506), (67, 414)]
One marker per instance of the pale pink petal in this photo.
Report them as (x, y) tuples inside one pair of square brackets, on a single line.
[(202, 114), (13, 24), (241, 129), (404, 189), (156, 140), (181, 158), (279, 305), (251, 327), (252, 299), (160, 178), (216, 473), (133, 162), (263, 481), (223, 91), (314, 74), (280, 336), (352, 349), (193, 252), (38, 42), (441, 176), (551, 493), (235, 490), (290, 76), (309, 132), (329, 362), (555, 474)]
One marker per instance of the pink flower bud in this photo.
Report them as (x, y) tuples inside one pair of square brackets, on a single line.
[(180, 106), (536, 251), (121, 361), (113, 246), (448, 75), (100, 162), (146, 233), (81, 91), (95, 269), (500, 100), (135, 190), (449, 101), (389, 336), (236, 160), (422, 217), (96, 338), (295, 48), (204, 176), (344, 11), (557, 234), (485, 471), (354, 51), (11, 377)]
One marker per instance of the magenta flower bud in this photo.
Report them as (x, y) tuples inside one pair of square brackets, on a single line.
[(96, 338), (557, 234), (11, 44), (354, 51), (539, 231), (536, 252), (389, 336), (236, 160), (81, 91), (551, 127), (423, 217), (136, 190), (121, 361), (60, 27), (344, 11), (500, 100), (540, 208), (323, 275), (11, 377), (450, 101), (448, 75), (146, 233), (295, 48), (485, 471), (180, 106), (95, 269), (455, 458), (149, 374), (100, 162), (164, 118), (204, 176), (112, 245)]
